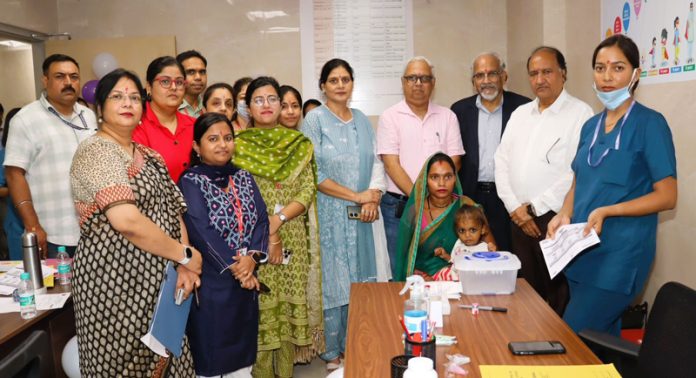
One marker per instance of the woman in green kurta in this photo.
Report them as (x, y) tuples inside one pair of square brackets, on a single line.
[(428, 219), (281, 161)]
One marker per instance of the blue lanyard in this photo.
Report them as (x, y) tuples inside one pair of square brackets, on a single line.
[(617, 142), (74, 126)]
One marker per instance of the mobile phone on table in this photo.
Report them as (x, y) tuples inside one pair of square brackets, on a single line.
[(353, 212), (524, 348)]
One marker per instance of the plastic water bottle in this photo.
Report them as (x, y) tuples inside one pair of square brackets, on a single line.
[(64, 268), (416, 307), (27, 300)]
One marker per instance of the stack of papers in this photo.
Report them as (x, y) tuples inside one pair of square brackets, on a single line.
[(10, 279)]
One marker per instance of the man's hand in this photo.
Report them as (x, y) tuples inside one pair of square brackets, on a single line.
[(41, 239)]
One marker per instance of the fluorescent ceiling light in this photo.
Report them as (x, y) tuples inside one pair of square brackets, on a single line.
[(14, 44), (280, 29), (264, 15)]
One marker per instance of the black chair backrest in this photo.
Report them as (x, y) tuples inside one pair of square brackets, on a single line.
[(31, 359), (669, 344)]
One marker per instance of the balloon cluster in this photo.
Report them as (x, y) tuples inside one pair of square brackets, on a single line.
[(102, 64)]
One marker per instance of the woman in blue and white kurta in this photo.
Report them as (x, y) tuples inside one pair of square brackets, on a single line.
[(625, 173), (348, 173), (223, 327)]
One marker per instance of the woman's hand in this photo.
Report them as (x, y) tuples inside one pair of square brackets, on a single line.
[(425, 276), (243, 268), (275, 252), (441, 253), (250, 283), (187, 280), (595, 220), (196, 263), (555, 223), (368, 212), (492, 247), (367, 196)]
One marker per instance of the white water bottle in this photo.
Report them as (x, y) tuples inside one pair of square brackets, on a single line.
[(27, 299), (64, 268), (420, 367)]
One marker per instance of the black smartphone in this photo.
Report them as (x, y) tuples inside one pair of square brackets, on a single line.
[(523, 348)]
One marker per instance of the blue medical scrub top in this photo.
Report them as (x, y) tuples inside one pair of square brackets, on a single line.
[(620, 263)]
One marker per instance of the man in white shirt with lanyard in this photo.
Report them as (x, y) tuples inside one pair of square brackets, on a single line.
[(532, 166), (40, 147)]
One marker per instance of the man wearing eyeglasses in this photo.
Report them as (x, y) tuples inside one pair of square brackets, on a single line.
[(40, 147), (196, 71), (407, 134), (532, 166), (482, 120)]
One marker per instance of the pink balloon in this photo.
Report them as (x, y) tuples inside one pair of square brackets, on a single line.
[(636, 6), (89, 90)]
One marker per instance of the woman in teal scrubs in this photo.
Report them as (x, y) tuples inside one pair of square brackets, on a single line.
[(625, 173)]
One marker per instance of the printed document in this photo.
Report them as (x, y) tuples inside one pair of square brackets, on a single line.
[(568, 243)]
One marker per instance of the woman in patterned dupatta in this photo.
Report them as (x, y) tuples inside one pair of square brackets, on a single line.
[(281, 161), (428, 220)]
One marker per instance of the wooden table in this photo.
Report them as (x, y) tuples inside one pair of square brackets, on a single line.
[(59, 324), (374, 332)]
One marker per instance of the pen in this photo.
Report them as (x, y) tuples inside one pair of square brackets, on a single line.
[(485, 308)]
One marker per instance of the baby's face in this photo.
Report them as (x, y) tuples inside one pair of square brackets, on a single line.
[(469, 231)]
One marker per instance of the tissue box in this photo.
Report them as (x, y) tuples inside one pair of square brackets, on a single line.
[(483, 273)]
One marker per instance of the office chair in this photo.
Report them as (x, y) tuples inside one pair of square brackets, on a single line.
[(669, 345), (31, 359)]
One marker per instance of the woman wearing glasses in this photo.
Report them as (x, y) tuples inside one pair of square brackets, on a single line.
[(281, 161), (131, 226), (163, 128), (625, 172), (349, 174)]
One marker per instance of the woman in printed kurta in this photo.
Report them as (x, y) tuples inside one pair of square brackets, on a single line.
[(625, 173), (348, 174), (227, 221), (130, 227), (280, 159)]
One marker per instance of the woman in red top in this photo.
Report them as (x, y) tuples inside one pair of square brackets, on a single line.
[(162, 127)]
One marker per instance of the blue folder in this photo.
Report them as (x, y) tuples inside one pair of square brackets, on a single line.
[(168, 324)]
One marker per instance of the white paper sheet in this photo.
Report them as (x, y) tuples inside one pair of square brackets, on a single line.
[(567, 244), (43, 302)]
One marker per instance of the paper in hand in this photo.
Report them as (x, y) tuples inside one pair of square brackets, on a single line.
[(568, 243)]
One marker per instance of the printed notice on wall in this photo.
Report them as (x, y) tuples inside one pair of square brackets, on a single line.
[(374, 36), (664, 32)]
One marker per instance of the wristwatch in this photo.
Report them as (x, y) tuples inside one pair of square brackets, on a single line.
[(531, 210), (282, 217), (188, 253)]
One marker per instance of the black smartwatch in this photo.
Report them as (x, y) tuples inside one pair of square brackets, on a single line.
[(531, 210)]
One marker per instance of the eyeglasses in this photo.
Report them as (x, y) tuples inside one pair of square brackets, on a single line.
[(260, 100), (121, 97), (493, 75), (334, 80), (424, 79), (545, 73), (166, 82)]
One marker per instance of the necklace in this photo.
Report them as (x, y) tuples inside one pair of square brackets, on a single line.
[(430, 206)]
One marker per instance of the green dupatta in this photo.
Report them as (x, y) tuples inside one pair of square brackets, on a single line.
[(416, 247), (280, 154)]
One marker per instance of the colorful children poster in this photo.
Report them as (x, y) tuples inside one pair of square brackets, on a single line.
[(662, 29)]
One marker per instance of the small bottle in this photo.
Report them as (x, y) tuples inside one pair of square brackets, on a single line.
[(420, 367), (27, 301), (64, 268), (416, 307)]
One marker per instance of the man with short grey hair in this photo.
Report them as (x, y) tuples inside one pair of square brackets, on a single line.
[(408, 133), (482, 120)]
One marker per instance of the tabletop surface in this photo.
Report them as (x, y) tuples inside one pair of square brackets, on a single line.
[(12, 324), (374, 332)]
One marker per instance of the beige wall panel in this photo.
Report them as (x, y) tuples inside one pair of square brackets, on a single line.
[(133, 53), (17, 77), (39, 15), (525, 31)]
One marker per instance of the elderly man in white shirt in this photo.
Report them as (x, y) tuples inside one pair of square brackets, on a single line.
[(532, 166)]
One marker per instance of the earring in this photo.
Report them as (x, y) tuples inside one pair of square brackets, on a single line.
[(100, 120)]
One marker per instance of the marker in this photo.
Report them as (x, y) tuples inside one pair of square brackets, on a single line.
[(485, 308)]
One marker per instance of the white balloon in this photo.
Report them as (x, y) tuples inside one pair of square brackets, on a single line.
[(104, 63), (71, 359)]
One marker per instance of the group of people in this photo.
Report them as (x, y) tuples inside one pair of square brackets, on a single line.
[(259, 214)]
